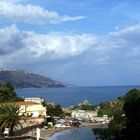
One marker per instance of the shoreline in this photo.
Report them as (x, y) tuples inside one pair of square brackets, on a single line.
[(47, 133)]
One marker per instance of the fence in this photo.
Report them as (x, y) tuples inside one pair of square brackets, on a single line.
[(21, 138)]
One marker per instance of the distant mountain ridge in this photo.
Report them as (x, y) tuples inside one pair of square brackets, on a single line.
[(23, 79)]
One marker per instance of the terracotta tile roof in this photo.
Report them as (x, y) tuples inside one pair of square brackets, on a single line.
[(26, 103)]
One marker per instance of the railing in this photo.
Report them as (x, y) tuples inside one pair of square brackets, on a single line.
[(27, 129), (20, 138), (18, 133)]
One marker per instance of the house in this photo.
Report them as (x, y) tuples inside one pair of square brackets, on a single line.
[(83, 114), (89, 115), (33, 109), (34, 99)]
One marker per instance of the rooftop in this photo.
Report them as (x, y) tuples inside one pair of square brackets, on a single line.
[(26, 103)]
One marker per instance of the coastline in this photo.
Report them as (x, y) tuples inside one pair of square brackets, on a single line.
[(48, 133)]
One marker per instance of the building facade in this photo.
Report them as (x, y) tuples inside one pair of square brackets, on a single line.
[(84, 115), (33, 110)]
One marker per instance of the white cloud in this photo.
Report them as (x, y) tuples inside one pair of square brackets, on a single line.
[(32, 14), (59, 45), (121, 45), (128, 37), (11, 40), (125, 30), (20, 45)]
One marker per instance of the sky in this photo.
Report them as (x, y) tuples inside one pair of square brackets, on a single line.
[(78, 42)]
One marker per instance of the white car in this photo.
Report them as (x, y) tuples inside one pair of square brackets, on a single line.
[(58, 125)]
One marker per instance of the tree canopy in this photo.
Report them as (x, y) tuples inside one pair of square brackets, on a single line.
[(9, 117), (132, 114), (7, 93), (54, 110), (125, 124)]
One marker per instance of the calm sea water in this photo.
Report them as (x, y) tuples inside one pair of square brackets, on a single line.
[(74, 95), (75, 134)]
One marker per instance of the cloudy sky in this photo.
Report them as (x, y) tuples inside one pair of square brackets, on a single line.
[(81, 42)]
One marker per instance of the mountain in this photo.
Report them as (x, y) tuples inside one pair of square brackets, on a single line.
[(22, 79)]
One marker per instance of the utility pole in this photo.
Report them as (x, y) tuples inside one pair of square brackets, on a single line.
[(37, 133)]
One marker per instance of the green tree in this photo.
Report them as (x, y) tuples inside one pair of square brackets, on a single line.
[(110, 108), (117, 124), (87, 107), (125, 124), (132, 114), (9, 117), (7, 93), (54, 110)]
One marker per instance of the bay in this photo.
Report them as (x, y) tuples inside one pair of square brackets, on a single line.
[(84, 133), (73, 95)]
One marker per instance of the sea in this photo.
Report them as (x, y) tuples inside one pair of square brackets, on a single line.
[(70, 96), (84, 133), (73, 95)]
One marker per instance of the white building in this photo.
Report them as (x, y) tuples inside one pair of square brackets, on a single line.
[(33, 109), (89, 115), (34, 99), (82, 114)]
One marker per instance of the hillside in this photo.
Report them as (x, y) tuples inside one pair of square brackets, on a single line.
[(22, 79)]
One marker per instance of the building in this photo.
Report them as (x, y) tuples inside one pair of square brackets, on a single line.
[(90, 115), (33, 109), (34, 99), (83, 114)]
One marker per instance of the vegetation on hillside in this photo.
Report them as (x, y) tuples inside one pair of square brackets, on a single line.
[(111, 107), (7, 93), (84, 106), (9, 117), (125, 112), (54, 110)]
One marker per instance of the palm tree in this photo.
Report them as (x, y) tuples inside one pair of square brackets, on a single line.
[(9, 117)]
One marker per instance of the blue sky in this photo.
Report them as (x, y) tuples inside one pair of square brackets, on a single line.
[(83, 42)]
